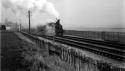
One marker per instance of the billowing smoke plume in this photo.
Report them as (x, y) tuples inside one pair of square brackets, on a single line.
[(20, 6)]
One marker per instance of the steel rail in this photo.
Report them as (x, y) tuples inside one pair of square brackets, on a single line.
[(91, 48), (104, 43), (111, 53)]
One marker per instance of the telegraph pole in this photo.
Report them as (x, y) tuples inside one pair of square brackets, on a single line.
[(29, 19)]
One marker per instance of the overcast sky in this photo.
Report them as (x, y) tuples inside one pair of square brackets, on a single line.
[(78, 14)]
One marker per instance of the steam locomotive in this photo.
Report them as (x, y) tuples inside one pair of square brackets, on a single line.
[(53, 29)]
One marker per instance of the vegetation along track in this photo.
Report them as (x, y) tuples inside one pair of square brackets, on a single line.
[(108, 51)]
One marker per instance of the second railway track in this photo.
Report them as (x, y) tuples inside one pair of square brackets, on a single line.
[(99, 42)]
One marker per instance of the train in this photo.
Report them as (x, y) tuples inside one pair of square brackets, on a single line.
[(52, 29)]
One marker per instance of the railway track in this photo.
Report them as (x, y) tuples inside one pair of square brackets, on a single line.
[(104, 43), (100, 48)]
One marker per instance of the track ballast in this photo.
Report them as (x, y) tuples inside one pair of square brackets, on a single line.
[(101, 48)]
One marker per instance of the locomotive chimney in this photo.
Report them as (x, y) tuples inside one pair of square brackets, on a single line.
[(58, 21)]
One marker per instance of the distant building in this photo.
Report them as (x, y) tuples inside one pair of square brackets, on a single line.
[(2, 27)]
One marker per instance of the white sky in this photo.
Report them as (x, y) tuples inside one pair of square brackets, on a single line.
[(78, 14)]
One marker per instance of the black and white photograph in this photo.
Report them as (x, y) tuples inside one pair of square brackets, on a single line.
[(62, 35)]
